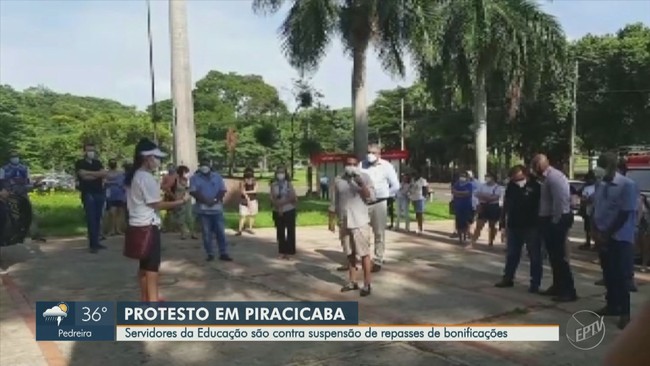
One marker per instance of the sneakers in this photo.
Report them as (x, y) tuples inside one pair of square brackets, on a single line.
[(365, 291), (225, 258), (353, 286)]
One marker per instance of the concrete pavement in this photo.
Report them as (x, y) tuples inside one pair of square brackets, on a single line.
[(427, 279)]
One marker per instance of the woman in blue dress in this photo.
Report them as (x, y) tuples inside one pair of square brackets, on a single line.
[(462, 192)]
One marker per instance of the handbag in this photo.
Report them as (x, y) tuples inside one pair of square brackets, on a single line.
[(137, 241)]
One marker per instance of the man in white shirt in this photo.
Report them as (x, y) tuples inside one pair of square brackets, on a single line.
[(386, 184)]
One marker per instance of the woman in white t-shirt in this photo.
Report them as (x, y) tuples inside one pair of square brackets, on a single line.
[(144, 202), (489, 208), (418, 188)]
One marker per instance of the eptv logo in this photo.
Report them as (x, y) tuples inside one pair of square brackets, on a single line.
[(585, 330)]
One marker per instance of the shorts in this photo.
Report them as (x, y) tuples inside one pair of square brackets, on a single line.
[(152, 262), (418, 206), (490, 212), (463, 218), (353, 241), (251, 210)]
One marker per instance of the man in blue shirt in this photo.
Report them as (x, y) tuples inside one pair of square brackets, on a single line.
[(614, 225), (208, 188), (4, 212), (18, 181)]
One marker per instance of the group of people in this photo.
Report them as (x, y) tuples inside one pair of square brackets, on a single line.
[(536, 212)]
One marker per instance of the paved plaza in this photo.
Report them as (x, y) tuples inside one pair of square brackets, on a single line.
[(427, 279)]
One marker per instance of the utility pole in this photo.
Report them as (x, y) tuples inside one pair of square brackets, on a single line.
[(401, 127), (184, 130), (574, 122)]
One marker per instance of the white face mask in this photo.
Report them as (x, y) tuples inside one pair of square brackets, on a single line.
[(351, 170), (489, 180), (156, 163), (14, 160), (205, 169), (521, 183), (90, 154), (372, 158), (280, 176), (462, 179)]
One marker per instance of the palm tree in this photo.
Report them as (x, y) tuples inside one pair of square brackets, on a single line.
[(184, 129), (390, 25), (477, 38)]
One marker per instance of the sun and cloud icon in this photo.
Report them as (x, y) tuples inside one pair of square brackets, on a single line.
[(57, 313)]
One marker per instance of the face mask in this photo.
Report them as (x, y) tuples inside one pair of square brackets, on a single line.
[(488, 180), (156, 163), (90, 154), (520, 183), (171, 171), (372, 158), (599, 172), (350, 170), (462, 179), (204, 169), (14, 160), (280, 176)]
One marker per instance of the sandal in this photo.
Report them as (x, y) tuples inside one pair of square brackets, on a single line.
[(350, 287)]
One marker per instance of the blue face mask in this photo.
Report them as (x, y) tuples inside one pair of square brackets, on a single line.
[(14, 160)]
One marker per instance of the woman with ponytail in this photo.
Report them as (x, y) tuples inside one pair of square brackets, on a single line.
[(144, 202)]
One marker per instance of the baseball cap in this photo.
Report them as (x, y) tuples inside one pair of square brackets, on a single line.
[(146, 147)]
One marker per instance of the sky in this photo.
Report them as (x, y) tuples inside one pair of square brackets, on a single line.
[(99, 47)]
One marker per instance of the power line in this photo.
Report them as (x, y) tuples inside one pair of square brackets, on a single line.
[(154, 114)]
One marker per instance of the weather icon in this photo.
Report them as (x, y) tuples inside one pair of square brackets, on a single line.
[(57, 313)]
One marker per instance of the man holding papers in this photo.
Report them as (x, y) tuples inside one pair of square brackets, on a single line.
[(208, 188)]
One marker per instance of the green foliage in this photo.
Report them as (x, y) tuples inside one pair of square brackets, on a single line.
[(49, 129), (614, 88)]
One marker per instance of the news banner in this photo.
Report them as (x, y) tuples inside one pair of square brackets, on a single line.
[(252, 321)]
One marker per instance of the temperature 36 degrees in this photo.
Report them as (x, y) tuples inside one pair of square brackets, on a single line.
[(92, 315)]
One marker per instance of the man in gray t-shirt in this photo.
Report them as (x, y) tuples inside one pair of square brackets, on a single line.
[(351, 191)]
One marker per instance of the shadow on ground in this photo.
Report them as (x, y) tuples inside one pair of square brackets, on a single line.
[(428, 279)]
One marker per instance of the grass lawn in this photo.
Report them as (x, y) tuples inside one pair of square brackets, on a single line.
[(61, 214)]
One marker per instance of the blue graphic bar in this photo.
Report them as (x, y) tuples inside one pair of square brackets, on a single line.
[(75, 321), (238, 313)]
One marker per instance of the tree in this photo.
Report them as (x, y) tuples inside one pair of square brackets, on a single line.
[(11, 122), (389, 25), (614, 88), (476, 38)]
